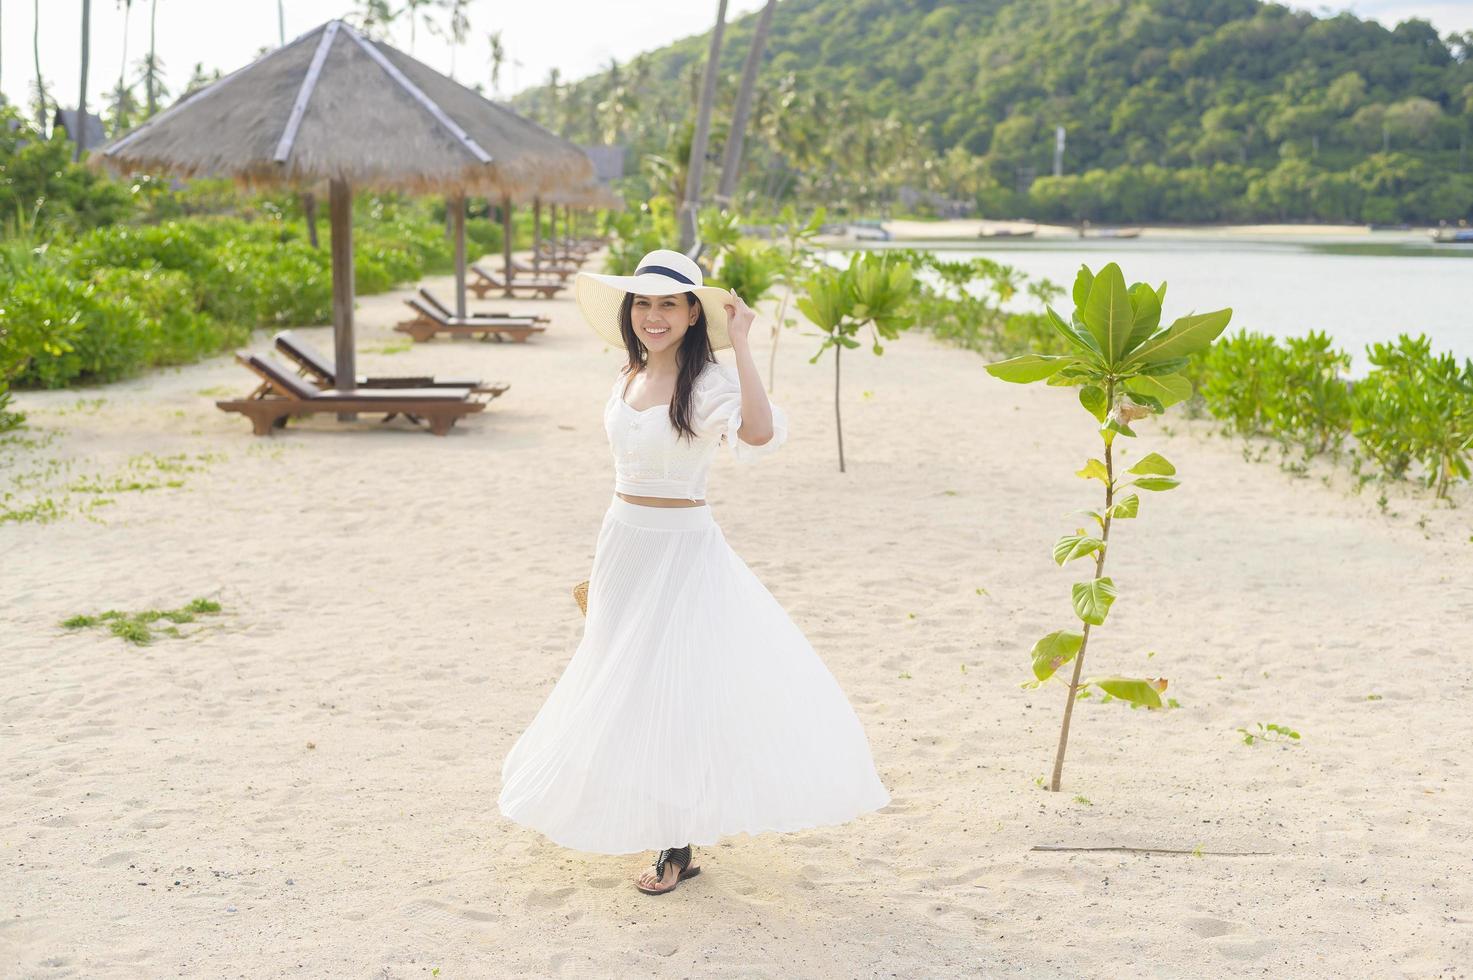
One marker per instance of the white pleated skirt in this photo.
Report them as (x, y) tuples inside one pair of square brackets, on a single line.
[(692, 709)]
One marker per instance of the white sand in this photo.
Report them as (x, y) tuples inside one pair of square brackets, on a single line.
[(401, 602)]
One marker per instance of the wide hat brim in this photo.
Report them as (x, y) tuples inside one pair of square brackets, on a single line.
[(599, 297)]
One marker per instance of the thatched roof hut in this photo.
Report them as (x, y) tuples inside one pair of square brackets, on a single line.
[(333, 105)]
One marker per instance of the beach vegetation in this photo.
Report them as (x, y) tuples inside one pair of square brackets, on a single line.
[(873, 291), (1268, 732), (1125, 368), (140, 628)]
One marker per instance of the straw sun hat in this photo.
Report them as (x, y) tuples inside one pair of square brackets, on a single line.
[(660, 273)]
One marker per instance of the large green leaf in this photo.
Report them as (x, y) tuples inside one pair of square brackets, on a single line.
[(1072, 546), (1054, 651), (1082, 282), (1153, 464), (1166, 389), (1085, 345), (1092, 599), (1156, 483), (1027, 368), (1107, 314), (1129, 689), (1147, 317), (1186, 336)]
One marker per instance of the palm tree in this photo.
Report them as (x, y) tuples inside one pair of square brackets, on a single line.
[(498, 55), (412, 8), (151, 72), (280, 22), (40, 82), (121, 93), (80, 136), (459, 27), (703, 132), (373, 16), (732, 161)]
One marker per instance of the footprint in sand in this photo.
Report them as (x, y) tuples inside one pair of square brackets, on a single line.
[(548, 900), (1207, 927)]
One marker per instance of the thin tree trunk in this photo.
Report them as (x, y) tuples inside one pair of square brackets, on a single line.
[(838, 423), (777, 328), (731, 163), (122, 71), (697, 166), (281, 23), (40, 81), (1084, 644), (153, 65), (79, 138)]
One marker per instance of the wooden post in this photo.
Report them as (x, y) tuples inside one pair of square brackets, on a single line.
[(340, 216), (506, 243), (536, 238), (458, 203)]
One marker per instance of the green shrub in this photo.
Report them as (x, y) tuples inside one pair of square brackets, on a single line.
[(1416, 407)]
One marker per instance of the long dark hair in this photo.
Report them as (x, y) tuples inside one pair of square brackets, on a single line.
[(691, 359)]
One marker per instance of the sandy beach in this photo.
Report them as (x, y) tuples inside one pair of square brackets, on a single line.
[(305, 784), (968, 228)]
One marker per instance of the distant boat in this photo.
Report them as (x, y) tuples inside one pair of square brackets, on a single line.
[(1464, 235), (1006, 232), (1087, 232), (872, 231)]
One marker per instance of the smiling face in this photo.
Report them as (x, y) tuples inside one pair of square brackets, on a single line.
[(660, 322)]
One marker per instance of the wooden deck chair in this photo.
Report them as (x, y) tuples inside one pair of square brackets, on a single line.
[(429, 321), (281, 395), (486, 280), (321, 370), (432, 300), (547, 270)]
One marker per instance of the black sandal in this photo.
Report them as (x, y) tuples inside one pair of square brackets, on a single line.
[(679, 856)]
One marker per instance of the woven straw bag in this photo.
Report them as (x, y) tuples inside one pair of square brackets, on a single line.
[(580, 596)]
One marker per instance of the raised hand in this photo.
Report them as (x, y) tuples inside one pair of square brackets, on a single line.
[(739, 317)]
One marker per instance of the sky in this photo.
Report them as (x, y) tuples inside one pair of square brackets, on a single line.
[(578, 37)]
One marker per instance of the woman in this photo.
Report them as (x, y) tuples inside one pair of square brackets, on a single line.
[(693, 708)]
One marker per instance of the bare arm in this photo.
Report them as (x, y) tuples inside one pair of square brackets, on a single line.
[(756, 427)]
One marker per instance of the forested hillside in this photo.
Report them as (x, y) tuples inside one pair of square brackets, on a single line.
[(1190, 110)]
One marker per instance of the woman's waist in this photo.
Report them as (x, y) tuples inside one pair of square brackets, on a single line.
[(665, 518)]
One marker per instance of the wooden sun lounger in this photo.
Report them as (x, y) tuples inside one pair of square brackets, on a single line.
[(282, 395), (547, 269), (487, 281), (449, 314), (430, 321), (321, 370)]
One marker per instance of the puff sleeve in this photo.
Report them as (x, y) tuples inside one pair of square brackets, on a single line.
[(717, 412)]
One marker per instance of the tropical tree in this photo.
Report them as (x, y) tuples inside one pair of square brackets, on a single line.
[(416, 10), (731, 162), (873, 291), (457, 27), (79, 138), (40, 86), (151, 69), (498, 57), (697, 168), (123, 103), (795, 258), (1125, 369)]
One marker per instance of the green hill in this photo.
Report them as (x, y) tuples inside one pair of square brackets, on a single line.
[(1189, 110)]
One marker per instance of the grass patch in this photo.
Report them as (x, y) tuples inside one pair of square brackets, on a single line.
[(393, 347), (140, 628)]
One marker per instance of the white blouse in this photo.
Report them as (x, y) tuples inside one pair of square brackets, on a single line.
[(651, 459)]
